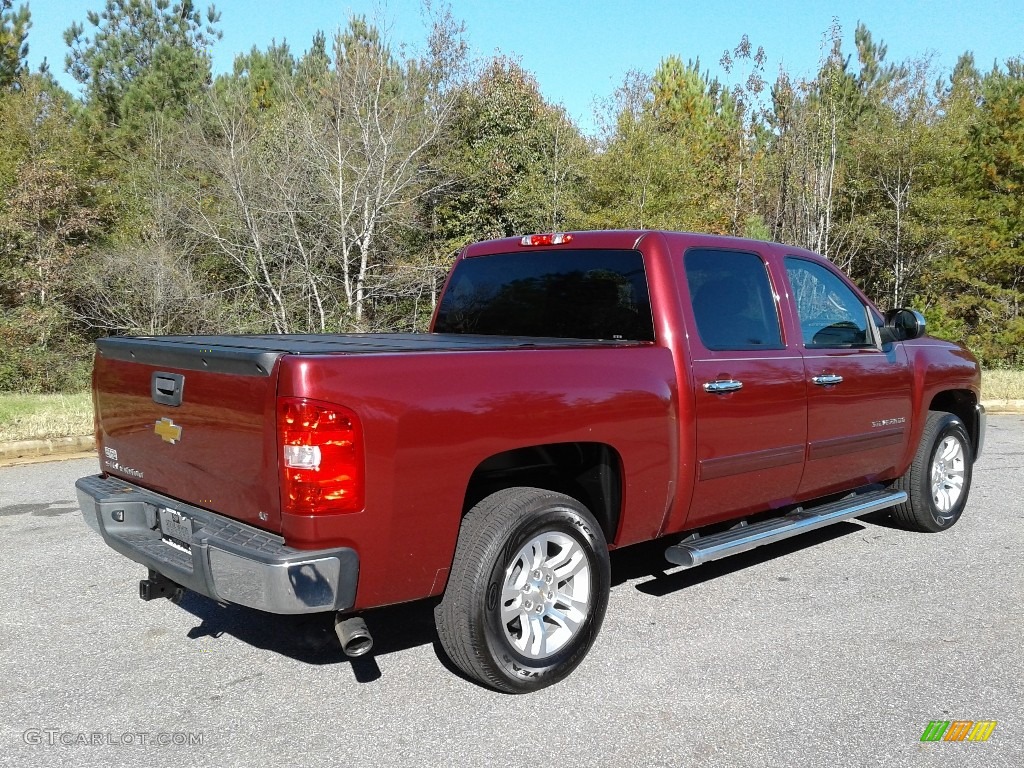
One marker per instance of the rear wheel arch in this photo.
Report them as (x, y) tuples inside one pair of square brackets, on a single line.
[(591, 473)]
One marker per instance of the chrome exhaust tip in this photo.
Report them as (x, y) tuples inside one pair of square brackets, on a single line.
[(354, 636)]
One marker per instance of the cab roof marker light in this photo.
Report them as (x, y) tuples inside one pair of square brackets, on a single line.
[(555, 238)]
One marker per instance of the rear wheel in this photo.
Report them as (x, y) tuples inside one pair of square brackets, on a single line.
[(527, 592), (939, 479)]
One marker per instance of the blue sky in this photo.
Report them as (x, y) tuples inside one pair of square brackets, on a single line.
[(580, 51)]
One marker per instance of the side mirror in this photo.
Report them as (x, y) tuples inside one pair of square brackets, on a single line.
[(902, 325)]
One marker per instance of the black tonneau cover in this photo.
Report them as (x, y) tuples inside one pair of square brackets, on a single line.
[(255, 355)]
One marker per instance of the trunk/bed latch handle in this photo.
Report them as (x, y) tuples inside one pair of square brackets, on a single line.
[(167, 388)]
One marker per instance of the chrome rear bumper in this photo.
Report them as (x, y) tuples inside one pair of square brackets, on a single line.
[(225, 560)]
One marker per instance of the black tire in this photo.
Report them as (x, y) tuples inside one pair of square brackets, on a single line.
[(922, 511), (469, 618)]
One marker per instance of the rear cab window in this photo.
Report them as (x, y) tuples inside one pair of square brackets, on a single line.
[(597, 294)]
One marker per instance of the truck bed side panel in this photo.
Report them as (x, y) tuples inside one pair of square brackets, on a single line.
[(429, 422)]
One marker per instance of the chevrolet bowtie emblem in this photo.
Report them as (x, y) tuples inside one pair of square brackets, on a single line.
[(169, 431)]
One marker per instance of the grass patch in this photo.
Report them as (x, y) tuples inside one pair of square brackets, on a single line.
[(30, 417), (1002, 385)]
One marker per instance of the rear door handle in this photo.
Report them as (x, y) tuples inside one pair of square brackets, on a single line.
[(723, 385), (827, 379)]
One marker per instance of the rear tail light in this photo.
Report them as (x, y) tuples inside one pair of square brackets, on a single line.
[(555, 238), (321, 456)]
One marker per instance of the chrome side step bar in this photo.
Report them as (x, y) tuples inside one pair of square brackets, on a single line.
[(702, 549)]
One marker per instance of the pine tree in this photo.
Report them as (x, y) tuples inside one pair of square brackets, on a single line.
[(142, 56), (14, 26)]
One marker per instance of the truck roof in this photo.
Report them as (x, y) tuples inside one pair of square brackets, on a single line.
[(630, 239)]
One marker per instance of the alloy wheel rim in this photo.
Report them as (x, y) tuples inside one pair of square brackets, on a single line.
[(949, 466), (546, 594)]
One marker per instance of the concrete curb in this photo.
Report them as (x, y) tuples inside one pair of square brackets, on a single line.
[(58, 446), (1003, 406), (54, 446)]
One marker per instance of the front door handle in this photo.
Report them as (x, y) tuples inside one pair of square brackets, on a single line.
[(827, 380), (723, 385)]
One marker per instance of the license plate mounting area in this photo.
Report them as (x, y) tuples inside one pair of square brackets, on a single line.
[(176, 526)]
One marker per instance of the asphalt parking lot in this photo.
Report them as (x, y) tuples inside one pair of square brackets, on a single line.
[(834, 649)]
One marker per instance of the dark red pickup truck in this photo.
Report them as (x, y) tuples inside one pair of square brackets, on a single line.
[(577, 393)]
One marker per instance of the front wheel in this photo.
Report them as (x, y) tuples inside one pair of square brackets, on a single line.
[(939, 479), (527, 592)]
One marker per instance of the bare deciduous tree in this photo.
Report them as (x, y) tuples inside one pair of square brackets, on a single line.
[(368, 135), (305, 201)]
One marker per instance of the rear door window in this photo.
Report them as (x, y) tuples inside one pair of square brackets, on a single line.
[(732, 298)]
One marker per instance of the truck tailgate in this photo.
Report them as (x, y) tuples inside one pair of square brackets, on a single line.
[(192, 422)]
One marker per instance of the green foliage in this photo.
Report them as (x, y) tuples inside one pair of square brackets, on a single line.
[(329, 191), (755, 228), (515, 162), (974, 293), (681, 96), (672, 159), (44, 351), (50, 207), (51, 213), (141, 56), (996, 167), (268, 75), (14, 26)]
